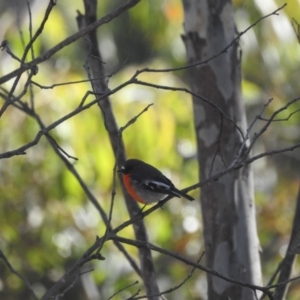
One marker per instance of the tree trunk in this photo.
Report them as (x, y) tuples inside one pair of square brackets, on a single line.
[(228, 209), (97, 71)]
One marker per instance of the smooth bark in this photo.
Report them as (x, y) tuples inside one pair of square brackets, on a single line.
[(228, 209)]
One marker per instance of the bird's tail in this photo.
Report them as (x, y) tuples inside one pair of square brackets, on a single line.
[(182, 194)]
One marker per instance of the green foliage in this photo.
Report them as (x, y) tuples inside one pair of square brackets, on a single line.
[(46, 219)]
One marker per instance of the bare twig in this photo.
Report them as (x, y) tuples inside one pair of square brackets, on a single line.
[(32, 52), (45, 131), (11, 268), (59, 148), (72, 284), (296, 27), (41, 27), (243, 147), (207, 101), (5, 46), (123, 289), (223, 51), (121, 130), (139, 244), (72, 169), (269, 153), (271, 280), (103, 96), (283, 283), (49, 8), (288, 261), (27, 48), (176, 287), (281, 119), (107, 18), (48, 87), (87, 256), (268, 122)]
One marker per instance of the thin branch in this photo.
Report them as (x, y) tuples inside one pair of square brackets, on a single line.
[(282, 119), (176, 287), (271, 280), (72, 284), (282, 283), (266, 126), (296, 27), (27, 48), (150, 246), (59, 148), (123, 289), (48, 87), (41, 27), (288, 260), (88, 255), (72, 169), (243, 147), (207, 101), (95, 68), (269, 153), (121, 130), (31, 93), (135, 294), (220, 174), (89, 194), (5, 46), (223, 51), (106, 19), (11, 268)]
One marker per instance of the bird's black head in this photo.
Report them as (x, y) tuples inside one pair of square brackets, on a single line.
[(129, 165)]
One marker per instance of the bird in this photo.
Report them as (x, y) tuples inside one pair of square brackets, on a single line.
[(146, 184)]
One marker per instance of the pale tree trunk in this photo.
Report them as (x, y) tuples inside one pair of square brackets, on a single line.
[(228, 209)]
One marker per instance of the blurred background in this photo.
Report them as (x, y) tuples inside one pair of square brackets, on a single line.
[(46, 220)]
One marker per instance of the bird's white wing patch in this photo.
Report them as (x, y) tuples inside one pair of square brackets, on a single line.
[(156, 185)]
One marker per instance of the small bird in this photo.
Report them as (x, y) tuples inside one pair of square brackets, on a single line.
[(146, 184)]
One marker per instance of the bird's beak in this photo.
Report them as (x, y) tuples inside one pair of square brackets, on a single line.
[(121, 170)]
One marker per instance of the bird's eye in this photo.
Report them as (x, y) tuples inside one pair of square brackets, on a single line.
[(123, 168)]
